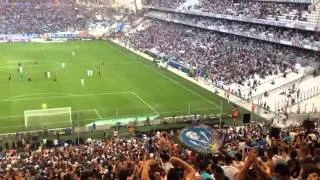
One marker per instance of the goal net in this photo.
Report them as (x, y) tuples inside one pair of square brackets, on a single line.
[(48, 118)]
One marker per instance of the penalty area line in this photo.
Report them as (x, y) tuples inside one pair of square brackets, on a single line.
[(63, 96), (97, 113), (31, 94), (145, 102)]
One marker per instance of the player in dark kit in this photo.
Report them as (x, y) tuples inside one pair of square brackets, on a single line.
[(9, 78), (19, 67), (29, 79), (99, 71)]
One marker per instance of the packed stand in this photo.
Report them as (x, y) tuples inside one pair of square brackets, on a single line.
[(254, 152), (33, 17), (309, 38), (95, 3), (253, 9), (256, 9), (221, 58), (165, 3)]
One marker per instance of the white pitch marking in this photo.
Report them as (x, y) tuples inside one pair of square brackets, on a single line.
[(168, 78), (14, 116), (98, 114), (145, 102), (31, 94), (184, 87), (71, 95)]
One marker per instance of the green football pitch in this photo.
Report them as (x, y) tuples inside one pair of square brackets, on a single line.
[(129, 86)]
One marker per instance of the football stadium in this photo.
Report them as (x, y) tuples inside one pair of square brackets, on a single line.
[(160, 89), (123, 86)]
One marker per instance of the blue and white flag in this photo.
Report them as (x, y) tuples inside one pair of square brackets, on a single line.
[(200, 138)]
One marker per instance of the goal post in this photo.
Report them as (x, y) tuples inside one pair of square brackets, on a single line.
[(48, 118)]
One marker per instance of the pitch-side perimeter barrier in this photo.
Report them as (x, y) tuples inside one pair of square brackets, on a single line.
[(104, 125)]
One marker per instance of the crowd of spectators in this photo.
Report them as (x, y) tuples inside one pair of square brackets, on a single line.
[(223, 59), (37, 17), (254, 9), (164, 3), (96, 3), (310, 38), (254, 152)]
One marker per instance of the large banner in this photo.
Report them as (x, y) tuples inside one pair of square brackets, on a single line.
[(17, 37), (200, 138), (84, 34), (58, 36), (173, 63)]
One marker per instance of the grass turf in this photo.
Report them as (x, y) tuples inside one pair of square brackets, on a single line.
[(128, 86)]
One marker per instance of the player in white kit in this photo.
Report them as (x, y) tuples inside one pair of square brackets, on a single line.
[(82, 82), (90, 72), (20, 70)]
